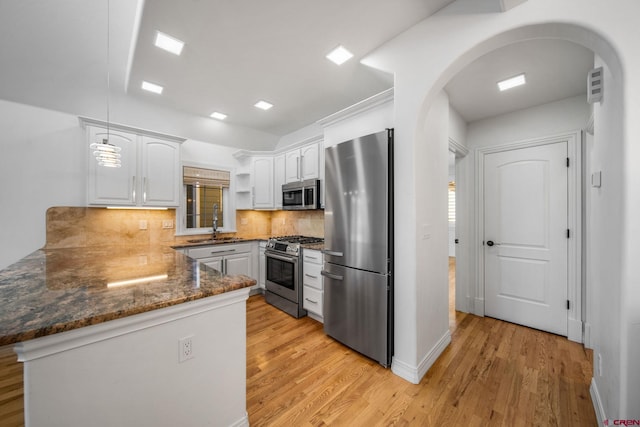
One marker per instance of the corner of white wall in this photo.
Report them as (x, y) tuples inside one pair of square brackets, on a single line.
[(414, 374)]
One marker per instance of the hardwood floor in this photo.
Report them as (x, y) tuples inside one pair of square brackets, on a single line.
[(492, 373)]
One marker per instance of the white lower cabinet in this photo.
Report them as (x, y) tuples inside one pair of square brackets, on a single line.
[(312, 284), (232, 258), (238, 264)]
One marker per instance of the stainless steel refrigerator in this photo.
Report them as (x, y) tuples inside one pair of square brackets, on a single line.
[(358, 255)]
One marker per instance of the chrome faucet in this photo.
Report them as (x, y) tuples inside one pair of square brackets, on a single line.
[(215, 221)]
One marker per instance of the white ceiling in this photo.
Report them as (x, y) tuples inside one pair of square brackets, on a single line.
[(237, 52), (53, 55), (554, 70)]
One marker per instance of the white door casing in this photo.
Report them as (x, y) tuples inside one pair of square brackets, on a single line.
[(533, 269)]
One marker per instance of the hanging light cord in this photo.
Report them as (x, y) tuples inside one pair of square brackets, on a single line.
[(108, 75)]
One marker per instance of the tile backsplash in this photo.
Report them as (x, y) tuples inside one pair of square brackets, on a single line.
[(306, 223), (87, 226), (82, 226)]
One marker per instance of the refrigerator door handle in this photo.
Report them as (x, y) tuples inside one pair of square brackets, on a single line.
[(331, 276), (332, 253)]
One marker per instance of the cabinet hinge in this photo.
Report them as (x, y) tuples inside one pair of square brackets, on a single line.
[(568, 305), (568, 233), (567, 162)]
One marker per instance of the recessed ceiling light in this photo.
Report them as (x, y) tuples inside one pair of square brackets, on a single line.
[(168, 43), (512, 82), (152, 87), (218, 116), (263, 105), (339, 55)]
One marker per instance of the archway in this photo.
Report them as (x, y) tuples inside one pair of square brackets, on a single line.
[(606, 151)]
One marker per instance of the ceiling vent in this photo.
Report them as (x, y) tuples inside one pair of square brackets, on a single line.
[(595, 85)]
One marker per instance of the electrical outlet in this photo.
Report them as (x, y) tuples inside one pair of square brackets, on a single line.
[(142, 224), (167, 223), (185, 349)]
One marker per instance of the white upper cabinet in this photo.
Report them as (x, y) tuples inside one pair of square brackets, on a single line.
[(278, 179), (149, 175), (160, 172), (309, 156), (263, 193), (270, 171), (302, 163), (113, 185), (292, 166)]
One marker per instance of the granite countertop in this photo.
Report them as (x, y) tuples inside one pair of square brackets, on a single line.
[(194, 243), (56, 290), (314, 246)]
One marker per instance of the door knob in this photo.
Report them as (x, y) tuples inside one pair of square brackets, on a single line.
[(490, 243)]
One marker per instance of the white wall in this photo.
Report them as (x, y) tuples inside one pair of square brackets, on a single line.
[(457, 127), (605, 231), (308, 132), (371, 121), (423, 62), (431, 162), (543, 120), (43, 164)]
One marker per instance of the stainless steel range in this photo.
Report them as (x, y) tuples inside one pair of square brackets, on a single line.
[(284, 273)]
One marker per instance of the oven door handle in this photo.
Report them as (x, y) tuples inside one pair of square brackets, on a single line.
[(281, 257), (331, 276)]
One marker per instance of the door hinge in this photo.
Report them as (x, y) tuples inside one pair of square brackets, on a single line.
[(568, 305), (568, 233), (567, 162)]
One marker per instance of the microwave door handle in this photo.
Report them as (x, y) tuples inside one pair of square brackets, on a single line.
[(304, 198)]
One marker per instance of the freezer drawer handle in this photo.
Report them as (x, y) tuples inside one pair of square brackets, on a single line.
[(331, 276), (333, 253)]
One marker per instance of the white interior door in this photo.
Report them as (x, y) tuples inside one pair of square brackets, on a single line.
[(525, 236)]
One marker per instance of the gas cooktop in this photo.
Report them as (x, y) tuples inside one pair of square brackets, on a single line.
[(290, 244)]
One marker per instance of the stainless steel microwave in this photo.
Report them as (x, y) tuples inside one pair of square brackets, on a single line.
[(302, 195)]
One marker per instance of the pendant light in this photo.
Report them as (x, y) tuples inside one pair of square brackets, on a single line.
[(106, 153)]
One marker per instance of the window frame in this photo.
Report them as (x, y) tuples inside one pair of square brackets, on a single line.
[(228, 203)]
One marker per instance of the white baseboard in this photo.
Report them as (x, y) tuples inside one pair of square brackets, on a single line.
[(242, 422), (478, 306), (574, 330), (587, 335), (597, 402), (315, 317), (414, 374)]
